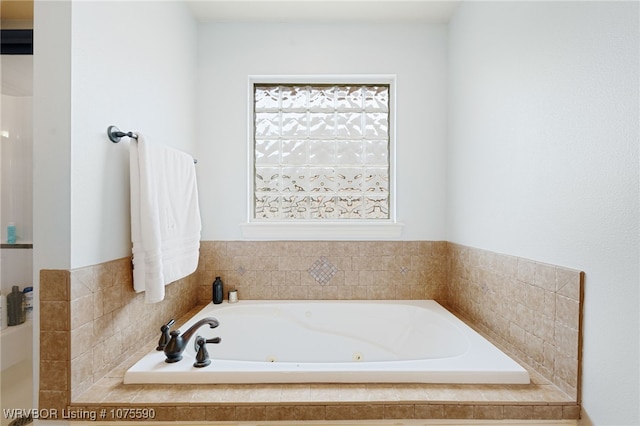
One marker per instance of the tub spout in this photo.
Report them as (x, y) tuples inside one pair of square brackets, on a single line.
[(178, 342)]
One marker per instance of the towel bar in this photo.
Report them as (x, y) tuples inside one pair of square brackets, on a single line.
[(116, 135)]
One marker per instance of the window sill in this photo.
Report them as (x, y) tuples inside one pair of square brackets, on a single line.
[(321, 231)]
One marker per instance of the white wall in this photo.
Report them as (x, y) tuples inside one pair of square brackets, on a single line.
[(543, 163), (133, 66), (229, 53), (51, 136)]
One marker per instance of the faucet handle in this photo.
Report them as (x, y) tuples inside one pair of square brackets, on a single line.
[(164, 337), (202, 357), (199, 340)]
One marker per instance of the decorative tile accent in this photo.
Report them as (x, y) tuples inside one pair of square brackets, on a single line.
[(404, 270), (241, 270), (322, 270)]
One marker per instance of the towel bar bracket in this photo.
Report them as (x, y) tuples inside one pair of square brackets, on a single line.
[(115, 135)]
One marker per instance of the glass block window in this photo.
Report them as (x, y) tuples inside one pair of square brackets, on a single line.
[(321, 152)]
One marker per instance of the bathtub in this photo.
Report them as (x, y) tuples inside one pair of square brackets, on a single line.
[(16, 345), (334, 342)]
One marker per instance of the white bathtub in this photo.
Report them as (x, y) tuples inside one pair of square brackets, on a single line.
[(334, 342), (16, 345)]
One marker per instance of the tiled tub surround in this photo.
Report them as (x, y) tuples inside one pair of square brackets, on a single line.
[(532, 308), (326, 270), (82, 376), (91, 319)]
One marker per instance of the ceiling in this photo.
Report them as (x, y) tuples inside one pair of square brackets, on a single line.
[(308, 11), (300, 11)]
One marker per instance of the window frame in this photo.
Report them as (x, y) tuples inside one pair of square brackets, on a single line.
[(316, 229)]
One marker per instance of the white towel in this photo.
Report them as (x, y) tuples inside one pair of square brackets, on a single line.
[(165, 217)]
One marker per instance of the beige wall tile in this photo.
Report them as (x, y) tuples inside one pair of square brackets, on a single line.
[(188, 414), (54, 285), (310, 412), (566, 341), (54, 375), (340, 412), (294, 292), (456, 411), (54, 345), (429, 411), (54, 316), (166, 413), (568, 282), (571, 412), (566, 369), (354, 412), (488, 412), (526, 271), (221, 414), (520, 412), (399, 411), (82, 339), (295, 263), (545, 276), (98, 303), (359, 292), (112, 299), (381, 292), (81, 373), (410, 392), (547, 412), (122, 272), (534, 347), (82, 309), (251, 413), (282, 413), (53, 400), (404, 292), (83, 282), (567, 311)]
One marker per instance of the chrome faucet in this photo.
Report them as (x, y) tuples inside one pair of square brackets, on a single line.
[(178, 342)]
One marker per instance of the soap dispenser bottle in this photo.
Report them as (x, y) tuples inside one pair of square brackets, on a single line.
[(11, 233), (14, 306), (218, 292)]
